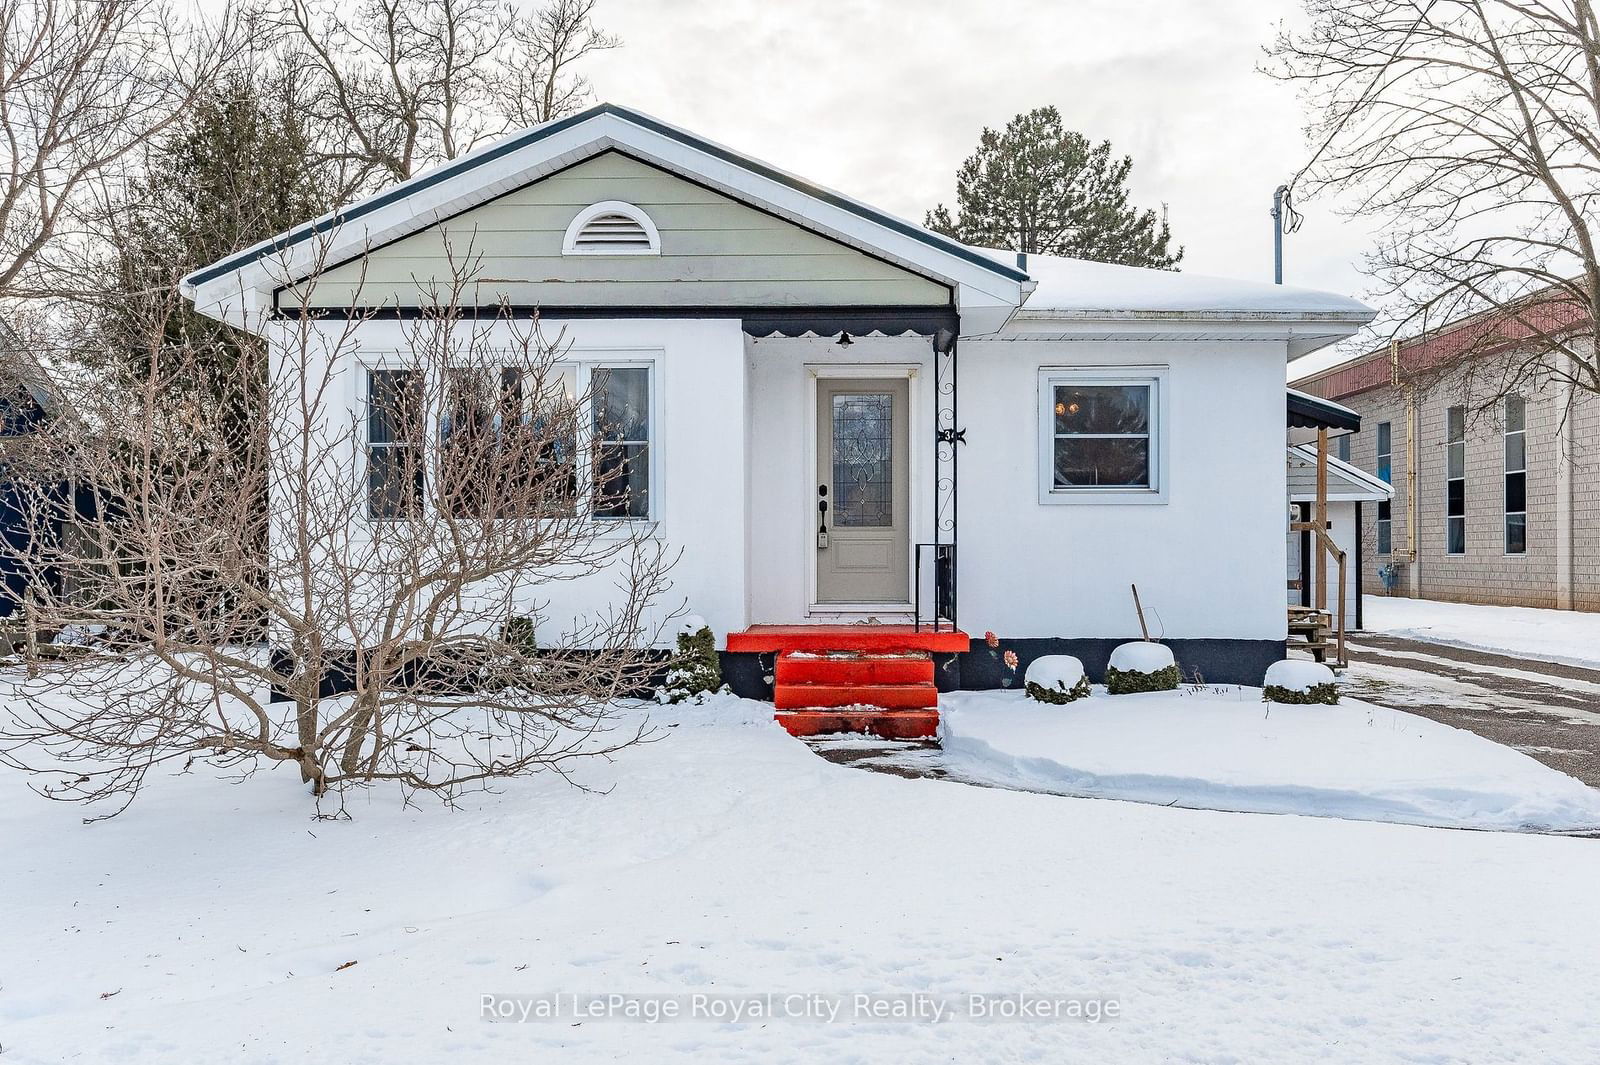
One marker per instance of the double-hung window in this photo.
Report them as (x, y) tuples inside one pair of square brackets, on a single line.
[(620, 399), (1100, 435), (1455, 481), (395, 425), (1385, 474), (1516, 419)]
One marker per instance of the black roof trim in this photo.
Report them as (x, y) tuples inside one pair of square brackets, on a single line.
[(1312, 412), (538, 133)]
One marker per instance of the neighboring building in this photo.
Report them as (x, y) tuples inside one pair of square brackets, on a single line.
[(28, 399), (1484, 509), (1109, 426)]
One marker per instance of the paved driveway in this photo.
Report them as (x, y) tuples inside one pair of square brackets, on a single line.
[(1546, 710)]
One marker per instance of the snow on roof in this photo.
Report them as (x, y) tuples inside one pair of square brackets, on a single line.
[(1072, 287)]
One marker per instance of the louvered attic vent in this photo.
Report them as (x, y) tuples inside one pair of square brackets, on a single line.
[(612, 228)]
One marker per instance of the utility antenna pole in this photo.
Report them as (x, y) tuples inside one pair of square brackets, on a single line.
[(1285, 219)]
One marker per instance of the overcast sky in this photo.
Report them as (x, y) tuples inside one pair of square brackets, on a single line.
[(883, 100)]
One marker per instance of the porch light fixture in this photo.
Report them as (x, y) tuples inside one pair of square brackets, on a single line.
[(844, 340)]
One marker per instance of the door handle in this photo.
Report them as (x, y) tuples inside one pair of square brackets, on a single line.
[(822, 516)]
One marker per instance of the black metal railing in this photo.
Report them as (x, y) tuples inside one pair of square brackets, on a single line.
[(944, 586)]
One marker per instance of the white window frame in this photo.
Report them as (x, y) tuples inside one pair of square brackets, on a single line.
[(587, 364), (569, 242), (1152, 377), (1505, 524), (1451, 442), (364, 413), (583, 363)]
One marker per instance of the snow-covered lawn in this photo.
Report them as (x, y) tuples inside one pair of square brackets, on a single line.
[(1222, 748), (1570, 636), (209, 923)]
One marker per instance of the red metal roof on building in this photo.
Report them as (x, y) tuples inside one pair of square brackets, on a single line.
[(1473, 336)]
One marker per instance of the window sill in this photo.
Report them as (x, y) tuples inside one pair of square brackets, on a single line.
[(1095, 496)]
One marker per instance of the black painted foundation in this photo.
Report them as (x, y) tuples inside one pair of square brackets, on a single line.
[(983, 667)]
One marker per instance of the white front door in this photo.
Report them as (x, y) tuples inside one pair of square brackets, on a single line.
[(863, 499)]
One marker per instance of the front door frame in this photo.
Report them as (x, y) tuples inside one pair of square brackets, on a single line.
[(816, 373)]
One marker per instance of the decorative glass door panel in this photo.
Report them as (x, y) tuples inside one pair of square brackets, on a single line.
[(862, 493)]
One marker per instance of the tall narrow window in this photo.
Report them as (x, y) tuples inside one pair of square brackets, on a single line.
[(1455, 481), (1341, 448), (1516, 476), (1385, 524), (394, 443), (621, 398)]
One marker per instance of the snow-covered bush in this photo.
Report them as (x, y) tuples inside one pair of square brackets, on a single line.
[(695, 670), (1055, 679), (1298, 681), (1141, 666)]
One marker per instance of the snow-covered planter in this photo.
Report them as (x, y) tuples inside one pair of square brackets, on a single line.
[(1055, 679), (1302, 682), (695, 671), (1141, 666)]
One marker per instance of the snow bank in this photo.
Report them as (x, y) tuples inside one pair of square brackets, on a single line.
[(1233, 752), (1298, 675), (720, 860), (1569, 636)]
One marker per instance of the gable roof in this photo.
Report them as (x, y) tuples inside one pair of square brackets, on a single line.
[(1346, 483), (983, 284)]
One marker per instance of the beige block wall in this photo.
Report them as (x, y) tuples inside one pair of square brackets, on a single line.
[(1484, 573)]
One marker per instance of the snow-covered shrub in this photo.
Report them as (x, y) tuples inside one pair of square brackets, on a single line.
[(1055, 679), (1298, 681), (695, 670), (519, 634), (1141, 666)]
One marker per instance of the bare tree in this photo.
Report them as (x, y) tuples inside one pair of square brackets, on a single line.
[(397, 85), (83, 86), (1471, 129), (425, 509)]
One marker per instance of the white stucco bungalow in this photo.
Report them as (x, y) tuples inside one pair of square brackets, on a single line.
[(1058, 430)]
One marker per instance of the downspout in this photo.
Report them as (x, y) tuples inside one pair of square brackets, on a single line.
[(1409, 391), (1565, 455)]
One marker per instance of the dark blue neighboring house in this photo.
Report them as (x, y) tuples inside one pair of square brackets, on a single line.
[(28, 401)]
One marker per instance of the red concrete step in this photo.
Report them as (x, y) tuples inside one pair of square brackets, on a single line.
[(854, 668), (887, 724), (766, 638), (885, 696)]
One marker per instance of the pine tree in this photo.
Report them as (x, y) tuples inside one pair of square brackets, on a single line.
[(1042, 189), (239, 170)]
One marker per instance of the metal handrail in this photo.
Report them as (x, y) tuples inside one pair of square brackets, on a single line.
[(944, 586)]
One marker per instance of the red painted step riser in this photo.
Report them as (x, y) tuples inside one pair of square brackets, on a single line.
[(896, 725), (888, 696), (880, 638), (847, 671)]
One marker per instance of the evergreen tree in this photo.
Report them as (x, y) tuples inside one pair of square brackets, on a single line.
[(1038, 188), (239, 170)]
